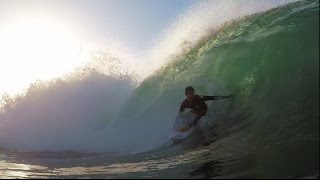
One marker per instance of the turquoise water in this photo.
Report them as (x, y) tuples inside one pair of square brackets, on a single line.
[(270, 129)]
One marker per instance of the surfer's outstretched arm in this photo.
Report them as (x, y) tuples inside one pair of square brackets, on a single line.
[(207, 98)]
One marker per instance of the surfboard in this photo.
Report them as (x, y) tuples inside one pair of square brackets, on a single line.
[(183, 126)]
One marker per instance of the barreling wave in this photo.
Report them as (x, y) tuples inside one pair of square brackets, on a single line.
[(269, 60)]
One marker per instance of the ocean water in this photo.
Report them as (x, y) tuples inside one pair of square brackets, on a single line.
[(269, 60)]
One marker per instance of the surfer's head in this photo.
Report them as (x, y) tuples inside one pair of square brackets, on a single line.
[(189, 91)]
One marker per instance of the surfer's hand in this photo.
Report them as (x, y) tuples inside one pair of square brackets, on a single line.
[(227, 96)]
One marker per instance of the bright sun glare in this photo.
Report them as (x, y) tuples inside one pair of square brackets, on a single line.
[(36, 49)]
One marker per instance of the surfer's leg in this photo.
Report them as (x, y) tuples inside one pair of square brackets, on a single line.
[(199, 116), (197, 119)]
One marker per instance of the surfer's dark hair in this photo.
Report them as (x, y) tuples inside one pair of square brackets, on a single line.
[(189, 88)]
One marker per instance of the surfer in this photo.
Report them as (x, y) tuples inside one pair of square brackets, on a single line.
[(197, 103)]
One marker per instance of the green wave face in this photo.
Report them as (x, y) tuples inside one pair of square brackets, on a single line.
[(270, 61)]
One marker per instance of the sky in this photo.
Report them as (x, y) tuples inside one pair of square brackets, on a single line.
[(135, 23), (41, 39)]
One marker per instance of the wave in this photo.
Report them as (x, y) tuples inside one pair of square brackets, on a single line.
[(269, 60)]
